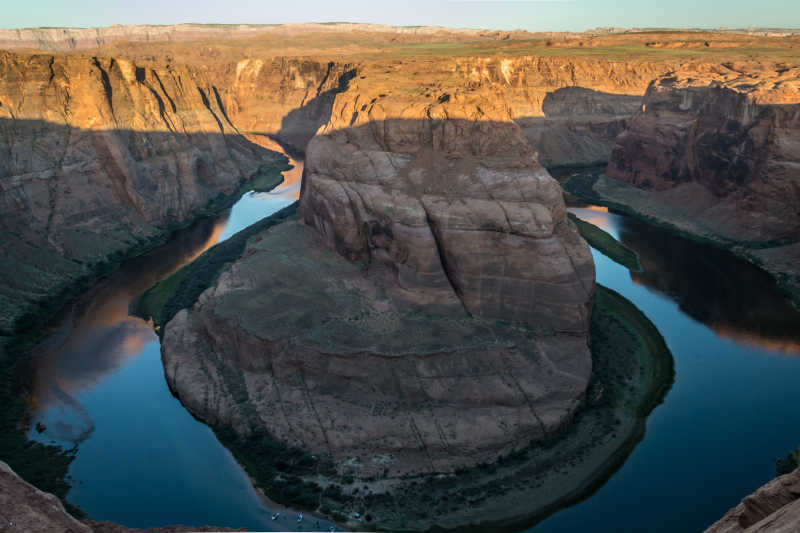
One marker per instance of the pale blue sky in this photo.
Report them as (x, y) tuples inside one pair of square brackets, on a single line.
[(525, 14)]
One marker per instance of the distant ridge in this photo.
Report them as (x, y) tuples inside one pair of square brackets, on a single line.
[(71, 39), (67, 39)]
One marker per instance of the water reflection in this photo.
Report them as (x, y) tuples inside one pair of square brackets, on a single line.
[(735, 299), (97, 335), (733, 407), (141, 459)]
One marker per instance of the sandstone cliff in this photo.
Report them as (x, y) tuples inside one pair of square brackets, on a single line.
[(455, 205), (102, 156), (451, 218), (714, 152), (727, 139), (105, 153), (775, 507)]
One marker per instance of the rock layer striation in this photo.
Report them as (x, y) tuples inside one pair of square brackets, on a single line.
[(775, 507), (432, 313), (723, 143)]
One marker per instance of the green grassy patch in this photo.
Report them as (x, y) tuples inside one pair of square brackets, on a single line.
[(607, 244), (788, 464), (652, 355), (181, 289)]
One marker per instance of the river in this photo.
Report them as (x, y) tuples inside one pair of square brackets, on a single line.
[(733, 407), (142, 460)]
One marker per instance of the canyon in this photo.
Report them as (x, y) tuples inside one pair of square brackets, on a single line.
[(444, 218), (430, 270), (715, 154)]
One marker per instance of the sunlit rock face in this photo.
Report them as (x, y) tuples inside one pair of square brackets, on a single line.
[(721, 143), (101, 156), (455, 205)]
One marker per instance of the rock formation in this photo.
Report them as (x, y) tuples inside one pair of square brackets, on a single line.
[(456, 206), (106, 153), (23, 507), (714, 152), (102, 156), (775, 507), (431, 310), (724, 144), (396, 355)]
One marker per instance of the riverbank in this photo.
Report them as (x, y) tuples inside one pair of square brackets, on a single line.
[(182, 288), (47, 466), (606, 243), (632, 371), (779, 258)]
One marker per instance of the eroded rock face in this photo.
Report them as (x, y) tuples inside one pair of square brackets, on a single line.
[(456, 206), (101, 156), (298, 342), (724, 142), (775, 507), (432, 313)]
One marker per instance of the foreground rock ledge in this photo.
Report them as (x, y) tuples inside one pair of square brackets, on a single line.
[(23, 507), (774, 507)]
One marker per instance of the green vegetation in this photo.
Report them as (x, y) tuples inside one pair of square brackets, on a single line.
[(181, 289), (788, 464), (279, 470), (548, 48), (639, 334), (607, 244)]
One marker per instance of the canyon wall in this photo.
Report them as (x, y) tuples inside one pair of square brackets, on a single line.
[(723, 145), (570, 109), (103, 155)]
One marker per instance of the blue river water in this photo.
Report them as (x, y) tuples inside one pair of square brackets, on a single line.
[(142, 460), (733, 408)]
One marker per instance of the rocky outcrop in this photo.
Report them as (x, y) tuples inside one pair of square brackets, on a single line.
[(449, 327), (775, 507), (579, 126), (101, 157), (722, 144), (455, 206), (23, 507)]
